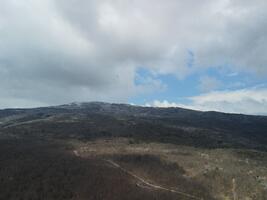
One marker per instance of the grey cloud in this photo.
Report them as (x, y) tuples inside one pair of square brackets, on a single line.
[(56, 51)]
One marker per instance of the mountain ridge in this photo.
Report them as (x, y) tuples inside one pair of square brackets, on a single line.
[(174, 125), (100, 104)]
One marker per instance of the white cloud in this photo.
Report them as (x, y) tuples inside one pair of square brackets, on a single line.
[(163, 104), (247, 101), (56, 51), (148, 85)]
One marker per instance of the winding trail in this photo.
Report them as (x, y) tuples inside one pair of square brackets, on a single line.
[(145, 184), (148, 185), (234, 189)]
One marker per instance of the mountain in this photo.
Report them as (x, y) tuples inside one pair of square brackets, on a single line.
[(99, 151), (173, 125)]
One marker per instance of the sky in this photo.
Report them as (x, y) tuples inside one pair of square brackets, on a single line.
[(203, 55)]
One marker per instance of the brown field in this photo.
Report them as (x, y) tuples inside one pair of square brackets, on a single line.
[(204, 174), (100, 151)]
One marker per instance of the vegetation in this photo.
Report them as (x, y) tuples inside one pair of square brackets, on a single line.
[(103, 151)]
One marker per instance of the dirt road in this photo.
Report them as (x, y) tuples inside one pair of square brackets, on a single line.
[(145, 184)]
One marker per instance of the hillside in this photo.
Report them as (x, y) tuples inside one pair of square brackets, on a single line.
[(102, 151), (175, 125)]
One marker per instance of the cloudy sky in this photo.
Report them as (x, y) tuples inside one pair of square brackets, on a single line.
[(206, 55)]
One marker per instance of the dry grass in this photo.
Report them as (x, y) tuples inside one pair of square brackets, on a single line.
[(213, 169)]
